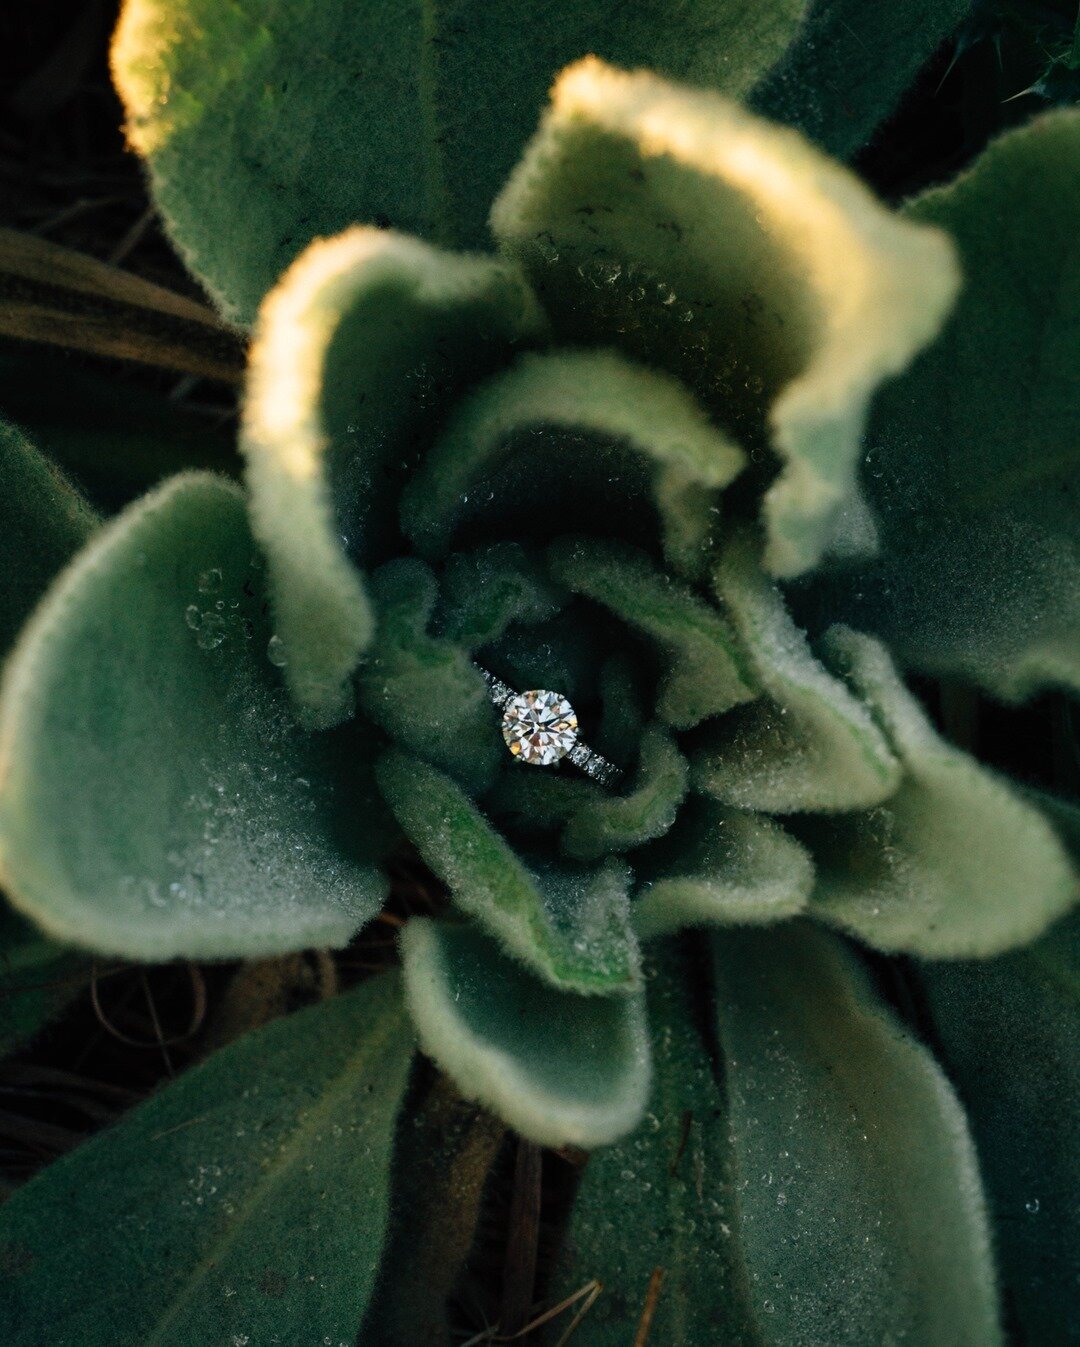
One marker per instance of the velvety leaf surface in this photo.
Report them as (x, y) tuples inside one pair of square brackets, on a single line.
[(850, 64), (156, 795), (37, 979), (852, 1156), (358, 352), (561, 1069), (1008, 1032), (720, 867), (247, 1200), (705, 669), (484, 462), (267, 125), (482, 592), (617, 822), (955, 864), (423, 691), (729, 251), (568, 923), (808, 743), (973, 455), (664, 1198), (43, 522)]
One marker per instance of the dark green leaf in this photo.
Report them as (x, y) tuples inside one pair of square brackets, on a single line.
[(156, 795), (561, 1069), (955, 864), (37, 979), (359, 351), (859, 1200), (1009, 1031), (247, 1200), (267, 125), (731, 253), (974, 454), (850, 65), (43, 522), (114, 435), (664, 1199), (569, 924)]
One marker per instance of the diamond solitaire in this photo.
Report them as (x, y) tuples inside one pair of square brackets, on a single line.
[(539, 727)]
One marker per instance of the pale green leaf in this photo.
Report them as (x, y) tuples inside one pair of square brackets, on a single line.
[(859, 1201), (664, 1197), (157, 798), (574, 440), (560, 1069), (720, 867), (955, 864), (266, 125), (808, 743), (732, 253), (358, 352), (246, 1200), (705, 670), (850, 64), (973, 455), (1008, 1031), (568, 923)]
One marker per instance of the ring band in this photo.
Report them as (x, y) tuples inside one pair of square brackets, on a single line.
[(541, 728)]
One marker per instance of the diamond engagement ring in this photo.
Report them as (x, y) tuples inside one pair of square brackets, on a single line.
[(541, 728)]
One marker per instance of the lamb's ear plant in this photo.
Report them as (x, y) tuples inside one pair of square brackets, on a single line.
[(706, 438)]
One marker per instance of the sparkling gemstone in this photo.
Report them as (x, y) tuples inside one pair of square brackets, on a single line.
[(539, 727)]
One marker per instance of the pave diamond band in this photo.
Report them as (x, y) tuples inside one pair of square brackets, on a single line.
[(540, 728)]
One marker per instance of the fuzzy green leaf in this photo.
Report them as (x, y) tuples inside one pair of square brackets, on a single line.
[(604, 429), (956, 864), (253, 1200), (974, 454), (809, 743), (720, 867), (1008, 1031), (43, 522), (850, 65), (358, 352), (705, 669), (733, 253), (852, 1155), (267, 125), (156, 795), (561, 1069), (664, 1198), (610, 823), (569, 924), (484, 591), (423, 691)]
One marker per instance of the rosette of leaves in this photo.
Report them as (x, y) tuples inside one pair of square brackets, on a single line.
[(618, 456)]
